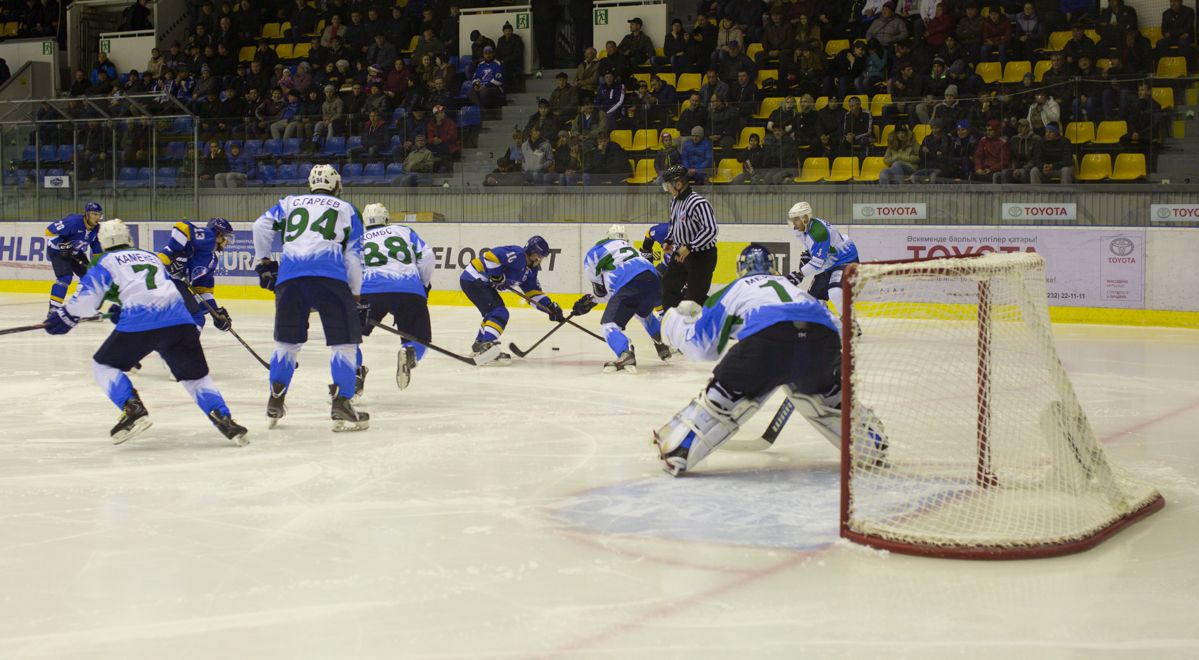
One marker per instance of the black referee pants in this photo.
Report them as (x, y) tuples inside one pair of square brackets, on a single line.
[(694, 273)]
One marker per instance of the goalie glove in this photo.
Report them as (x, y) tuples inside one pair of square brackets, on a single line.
[(59, 321), (583, 305), (268, 272)]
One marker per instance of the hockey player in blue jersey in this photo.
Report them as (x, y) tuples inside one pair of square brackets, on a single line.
[(151, 318), (70, 241), (631, 287), (399, 274), (828, 252), (656, 235), (784, 338), (191, 256), (320, 270), (505, 267)]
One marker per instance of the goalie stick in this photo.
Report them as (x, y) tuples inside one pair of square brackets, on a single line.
[(766, 440), (520, 353), (461, 358)]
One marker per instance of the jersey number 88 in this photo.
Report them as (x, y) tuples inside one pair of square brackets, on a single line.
[(397, 249)]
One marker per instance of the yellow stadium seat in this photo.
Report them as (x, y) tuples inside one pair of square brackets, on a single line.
[(10, 29), (1153, 34), (674, 134), (683, 107), (835, 46), (920, 132), (990, 72), (272, 31), (726, 169), (881, 135), (1095, 167), (689, 82), (814, 170), (766, 74), (1129, 167), (645, 139), (659, 52), (1058, 40), (1080, 132), (871, 167), (284, 29), (743, 142), (1164, 97), (1013, 72), (752, 51), (1172, 67), (769, 105), (1110, 132), (644, 172), (413, 44), (320, 27), (878, 102), (603, 52), (1040, 69), (668, 78), (301, 51), (865, 100), (246, 54), (844, 168), (1103, 63), (1093, 35), (284, 51), (642, 77), (821, 103), (623, 138)]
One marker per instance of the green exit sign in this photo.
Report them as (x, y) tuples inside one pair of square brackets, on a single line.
[(106, 46), (522, 21), (601, 16), (47, 48)]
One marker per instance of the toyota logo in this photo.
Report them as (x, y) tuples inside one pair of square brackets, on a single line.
[(1121, 247), (867, 211), (1163, 212), (1015, 211)]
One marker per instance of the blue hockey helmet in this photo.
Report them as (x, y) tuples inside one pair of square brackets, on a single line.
[(755, 259), (220, 226), (537, 245), (93, 207)]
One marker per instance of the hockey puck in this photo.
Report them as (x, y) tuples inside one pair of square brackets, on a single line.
[(555, 348)]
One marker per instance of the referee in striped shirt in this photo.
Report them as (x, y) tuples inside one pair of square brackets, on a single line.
[(692, 233)]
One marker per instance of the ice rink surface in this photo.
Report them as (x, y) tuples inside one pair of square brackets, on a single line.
[(519, 512)]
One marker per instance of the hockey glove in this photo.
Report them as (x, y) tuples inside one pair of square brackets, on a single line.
[(497, 280), (268, 272), (796, 277), (648, 255), (60, 322), (583, 305), (221, 320), (364, 314), (114, 314), (555, 312), (79, 262), (598, 290), (177, 269)]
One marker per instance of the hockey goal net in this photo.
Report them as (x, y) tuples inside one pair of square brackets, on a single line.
[(987, 453)]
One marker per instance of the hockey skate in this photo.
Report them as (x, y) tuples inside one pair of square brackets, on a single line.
[(134, 419), (359, 383), (664, 351), (405, 363), (229, 428), (627, 362), (483, 350), (275, 407), (346, 418)]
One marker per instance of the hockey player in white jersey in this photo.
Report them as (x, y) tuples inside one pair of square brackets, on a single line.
[(399, 274), (320, 270), (151, 318), (828, 252), (631, 286), (784, 338)]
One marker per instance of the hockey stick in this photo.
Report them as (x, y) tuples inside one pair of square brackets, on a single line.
[(42, 326), (567, 320), (520, 353), (766, 441), (461, 358), (212, 311)]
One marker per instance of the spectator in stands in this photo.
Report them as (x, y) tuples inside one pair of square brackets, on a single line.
[(1178, 30), (997, 36), (697, 156), (568, 162), (753, 163), (477, 43), (1029, 31), (1058, 155), (968, 82), (1026, 158), (80, 84), (206, 85), (887, 28), (380, 53), (732, 62), (395, 86), (969, 30), (214, 162), (486, 89), (587, 74), (695, 114), (713, 87), (537, 157), (287, 122), (376, 101), (103, 65), (356, 37), (208, 109), (674, 49), (226, 35), (699, 52), (334, 30), (1087, 105), (443, 138), (590, 124), (102, 86), (632, 119), (963, 145), (725, 123), (510, 49), (848, 66), (1146, 122), (609, 98), (668, 155), (936, 154), (564, 100), (1113, 22), (1043, 111), (636, 45), (875, 69), (155, 64), (662, 102), (355, 105), (992, 156), (902, 157), (415, 124), (265, 55), (857, 130), (240, 168), (907, 90), (614, 62), (544, 119), (1135, 52), (418, 164), (1079, 46), (332, 121), (778, 37), (782, 156), (744, 96), (727, 34), (784, 116), (136, 17), (223, 64), (607, 164), (942, 26), (376, 140)]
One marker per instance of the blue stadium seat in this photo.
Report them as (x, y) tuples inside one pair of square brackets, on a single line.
[(29, 153), (334, 146), (175, 151), (374, 173), (49, 153), (394, 170), (128, 176), (287, 174), (229, 143), (396, 140), (144, 176), (65, 152), (470, 116), (168, 177), (398, 115), (182, 125), (354, 141), (272, 147), (268, 175), (55, 171), (464, 63), (302, 174), (253, 148), (352, 173), (291, 147)]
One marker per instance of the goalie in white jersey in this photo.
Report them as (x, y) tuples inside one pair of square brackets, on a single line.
[(399, 274), (151, 318), (320, 270)]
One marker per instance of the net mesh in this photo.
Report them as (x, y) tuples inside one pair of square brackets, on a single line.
[(954, 368)]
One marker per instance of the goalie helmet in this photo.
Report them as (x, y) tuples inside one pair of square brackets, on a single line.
[(537, 245), (375, 214), (113, 234), (755, 259), (617, 232), (324, 178)]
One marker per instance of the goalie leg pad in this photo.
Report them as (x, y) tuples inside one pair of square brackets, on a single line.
[(823, 412), (703, 425)]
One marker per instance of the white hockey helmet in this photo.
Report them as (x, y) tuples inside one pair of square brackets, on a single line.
[(324, 178), (375, 214), (617, 232), (800, 210), (113, 233)]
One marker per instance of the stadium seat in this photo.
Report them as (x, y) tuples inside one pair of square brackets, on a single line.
[(878, 102), (175, 151), (48, 153), (1172, 67), (844, 168), (644, 172), (815, 170), (272, 147), (268, 175), (144, 176), (252, 148), (668, 78), (766, 74), (1110, 132), (1080, 132), (374, 173), (769, 105), (393, 170), (689, 82), (1039, 70), (272, 31), (301, 51), (352, 173), (302, 171), (834, 46), (871, 167), (291, 147), (245, 54), (752, 51), (1164, 97), (470, 116), (29, 153), (674, 137), (624, 138), (1153, 34), (642, 77), (65, 152), (464, 63), (353, 142), (168, 177), (1129, 167), (1058, 40), (182, 125), (284, 51), (920, 132), (645, 139), (990, 72), (320, 27), (55, 171), (1103, 63), (865, 100), (743, 140), (412, 44), (1013, 72), (1095, 167), (229, 145), (287, 174), (10, 29), (882, 134), (726, 169)]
